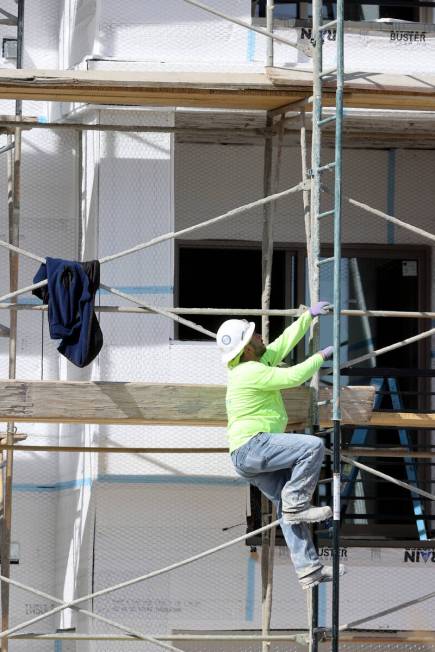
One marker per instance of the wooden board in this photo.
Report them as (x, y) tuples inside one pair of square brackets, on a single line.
[(143, 403), (209, 90), (249, 91), (367, 89), (356, 404), (125, 403), (362, 451), (403, 419)]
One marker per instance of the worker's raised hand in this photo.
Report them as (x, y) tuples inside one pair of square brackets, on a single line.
[(319, 308), (327, 353)]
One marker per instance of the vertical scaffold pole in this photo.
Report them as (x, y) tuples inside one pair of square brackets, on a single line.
[(267, 512), (269, 27), (336, 416), (14, 183), (313, 255), (318, 122)]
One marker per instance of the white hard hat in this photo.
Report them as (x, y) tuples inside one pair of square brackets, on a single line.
[(232, 337)]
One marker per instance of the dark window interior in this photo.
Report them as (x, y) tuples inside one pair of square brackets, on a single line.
[(394, 295), (395, 286), (406, 10), (226, 278)]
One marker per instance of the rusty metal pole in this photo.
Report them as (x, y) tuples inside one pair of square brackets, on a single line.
[(14, 181)]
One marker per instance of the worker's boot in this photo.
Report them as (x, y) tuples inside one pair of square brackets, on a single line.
[(323, 574), (308, 515)]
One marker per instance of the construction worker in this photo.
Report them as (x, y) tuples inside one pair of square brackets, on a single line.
[(284, 466)]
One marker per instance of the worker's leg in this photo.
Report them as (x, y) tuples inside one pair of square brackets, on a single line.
[(298, 491), (298, 537), (251, 462), (303, 454)]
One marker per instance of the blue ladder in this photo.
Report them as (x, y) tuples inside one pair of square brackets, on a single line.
[(359, 438)]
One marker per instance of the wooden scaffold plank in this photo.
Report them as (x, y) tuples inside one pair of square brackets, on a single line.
[(146, 403), (254, 91)]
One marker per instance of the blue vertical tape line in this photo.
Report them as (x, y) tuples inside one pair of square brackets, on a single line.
[(250, 590), (57, 646), (391, 193), (250, 46), (322, 604)]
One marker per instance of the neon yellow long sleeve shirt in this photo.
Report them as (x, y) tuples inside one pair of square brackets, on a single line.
[(253, 400)]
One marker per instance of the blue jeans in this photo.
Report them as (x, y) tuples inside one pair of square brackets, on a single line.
[(285, 467)]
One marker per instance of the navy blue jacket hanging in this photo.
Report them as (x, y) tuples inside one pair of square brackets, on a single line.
[(70, 295)]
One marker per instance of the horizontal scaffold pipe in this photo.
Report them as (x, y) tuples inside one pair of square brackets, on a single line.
[(110, 449), (131, 582), (243, 312), (168, 637), (183, 131), (360, 636), (407, 314)]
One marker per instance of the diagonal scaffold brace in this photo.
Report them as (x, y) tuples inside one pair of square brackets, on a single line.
[(127, 583), (162, 238)]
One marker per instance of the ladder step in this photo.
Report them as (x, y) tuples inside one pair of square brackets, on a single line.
[(327, 73), (327, 120), (326, 213), (328, 166), (325, 260), (332, 23)]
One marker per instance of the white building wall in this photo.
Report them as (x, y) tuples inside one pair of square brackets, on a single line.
[(175, 35), (84, 523), (219, 178), (167, 32)]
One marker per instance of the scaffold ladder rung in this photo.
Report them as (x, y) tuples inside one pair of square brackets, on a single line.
[(328, 73), (330, 25), (328, 166), (325, 260), (326, 214), (325, 121)]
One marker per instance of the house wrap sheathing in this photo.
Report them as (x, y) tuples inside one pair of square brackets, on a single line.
[(82, 522)]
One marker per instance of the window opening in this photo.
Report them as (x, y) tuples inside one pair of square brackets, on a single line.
[(376, 510), (223, 277), (354, 10)]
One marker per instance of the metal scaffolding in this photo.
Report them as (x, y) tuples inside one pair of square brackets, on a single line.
[(312, 188)]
